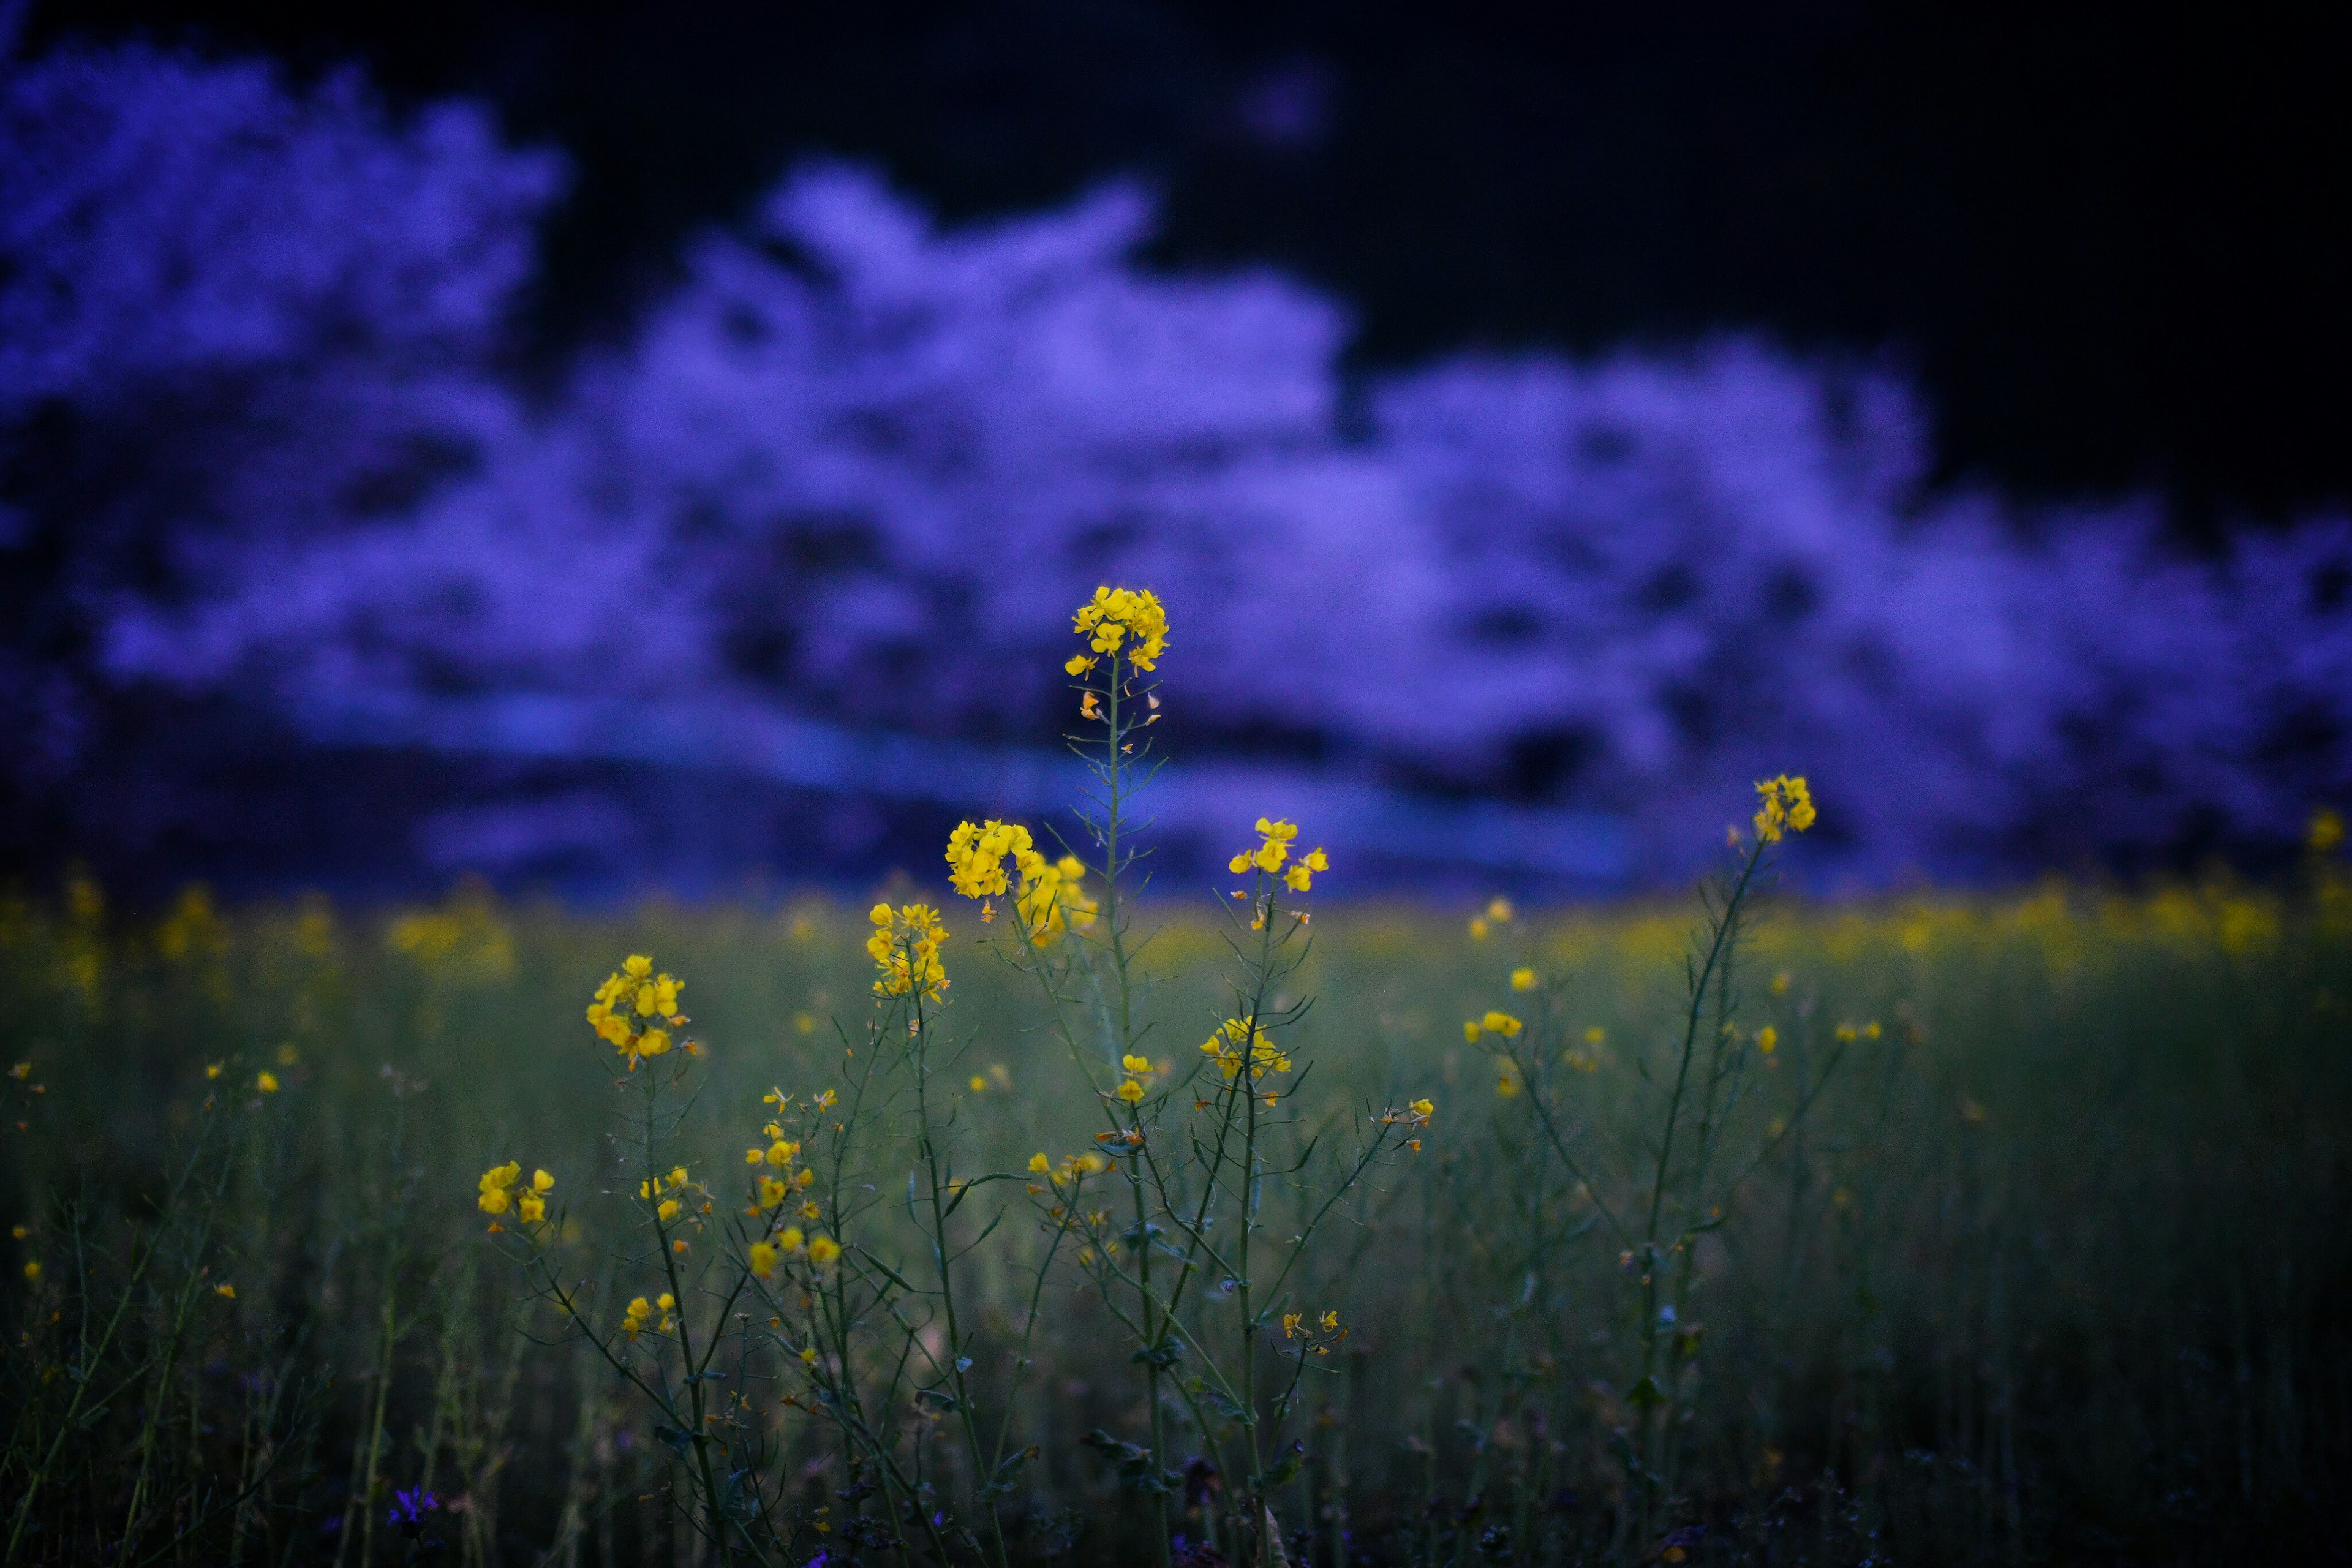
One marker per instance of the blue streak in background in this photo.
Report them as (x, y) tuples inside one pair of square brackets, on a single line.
[(1208, 803)]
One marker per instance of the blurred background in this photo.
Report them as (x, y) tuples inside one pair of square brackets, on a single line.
[(614, 447)]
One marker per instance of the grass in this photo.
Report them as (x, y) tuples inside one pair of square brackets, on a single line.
[(2046, 1266)]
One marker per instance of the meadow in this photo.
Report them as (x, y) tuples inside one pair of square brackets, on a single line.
[(1059, 1216), (2053, 1269)]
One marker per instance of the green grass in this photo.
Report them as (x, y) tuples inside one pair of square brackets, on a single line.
[(2050, 1268)]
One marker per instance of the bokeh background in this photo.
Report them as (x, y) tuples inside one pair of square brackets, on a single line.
[(617, 446)]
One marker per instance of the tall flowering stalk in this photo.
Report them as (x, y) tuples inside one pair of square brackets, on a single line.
[(1164, 1272), (1660, 1213)]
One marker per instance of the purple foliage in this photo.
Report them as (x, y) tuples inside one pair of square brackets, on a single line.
[(858, 467)]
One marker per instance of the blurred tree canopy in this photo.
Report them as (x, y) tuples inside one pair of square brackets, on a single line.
[(2110, 245)]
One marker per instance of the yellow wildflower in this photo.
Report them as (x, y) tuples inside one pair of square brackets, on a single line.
[(762, 1255), (2327, 833), (267, 1083), (1130, 1091), (1227, 1046), (637, 992), (1767, 1038), (979, 1084), (823, 1251), (1120, 621), (1423, 1109), (1784, 805), (32, 1270), (1523, 980), (495, 1185), (1508, 1086), (1501, 1023), (1039, 1164), (669, 1209), (772, 1191), (1300, 878), (225, 1293), (905, 947), (211, 1071)]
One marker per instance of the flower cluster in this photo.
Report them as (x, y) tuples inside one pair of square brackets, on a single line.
[(1117, 621), (1784, 805), (1501, 1023), (906, 949), (500, 1195), (1237, 1041), (1320, 1335), (1050, 900), (631, 1008), (1274, 849), (1073, 1168), (1131, 1090), (640, 1312), (1499, 913)]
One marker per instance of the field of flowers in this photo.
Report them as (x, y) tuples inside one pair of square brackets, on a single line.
[(1026, 1216)]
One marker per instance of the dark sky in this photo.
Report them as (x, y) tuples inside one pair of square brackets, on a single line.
[(2111, 244)]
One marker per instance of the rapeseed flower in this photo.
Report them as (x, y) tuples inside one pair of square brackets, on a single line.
[(633, 993), (906, 949), (763, 1256), (1120, 621), (267, 1083), (1130, 1091), (1501, 1023), (1227, 1046), (1784, 805), (823, 1251), (497, 1187), (1523, 980)]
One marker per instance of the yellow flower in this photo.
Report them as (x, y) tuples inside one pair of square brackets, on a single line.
[(1130, 1091), (225, 1293), (762, 1255), (1119, 620), (1508, 1087), (1226, 1045), (1424, 1108), (635, 992), (1784, 805), (211, 1071), (790, 1239), (1078, 664), (1523, 979), (1290, 1324), (1500, 911), (1767, 1038), (823, 1251), (32, 1270), (2326, 833), (632, 1318), (669, 1209), (1781, 984), (1331, 1321), (979, 1084), (1300, 878), (1478, 928), (666, 1300), (531, 1207), (1595, 1035), (494, 1187), (267, 1083), (779, 1153), (1501, 1023), (905, 948), (808, 1354)]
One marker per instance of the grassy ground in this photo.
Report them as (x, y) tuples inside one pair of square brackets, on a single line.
[(2020, 1239)]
